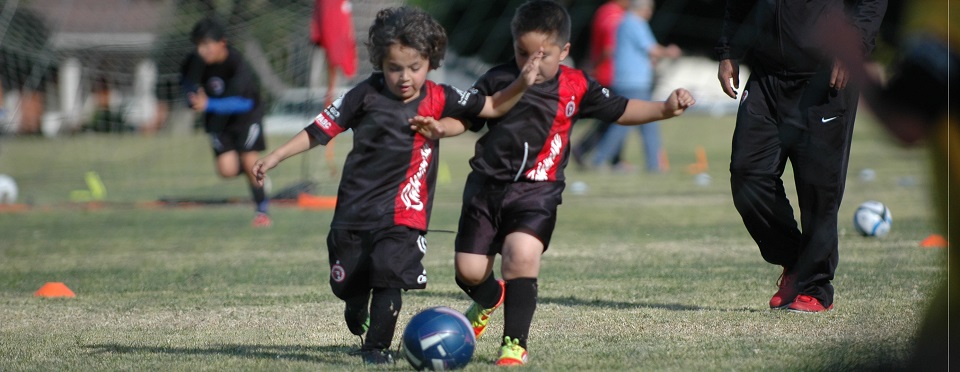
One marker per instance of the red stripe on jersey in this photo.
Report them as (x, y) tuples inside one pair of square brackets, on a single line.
[(572, 86), (326, 123), (411, 203)]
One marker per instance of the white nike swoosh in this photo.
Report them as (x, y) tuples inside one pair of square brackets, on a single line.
[(825, 120)]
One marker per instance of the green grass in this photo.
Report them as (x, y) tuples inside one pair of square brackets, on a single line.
[(644, 272)]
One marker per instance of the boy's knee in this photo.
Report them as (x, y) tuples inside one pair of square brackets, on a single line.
[(226, 173), (471, 277), (521, 261)]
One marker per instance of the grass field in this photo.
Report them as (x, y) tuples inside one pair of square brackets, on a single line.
[(644, 273)]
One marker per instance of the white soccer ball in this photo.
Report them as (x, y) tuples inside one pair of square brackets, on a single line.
[(8, 190), (579, 188), (872, 218)]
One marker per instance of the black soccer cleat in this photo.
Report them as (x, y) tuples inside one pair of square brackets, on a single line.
[(376, 356), (358, 321)]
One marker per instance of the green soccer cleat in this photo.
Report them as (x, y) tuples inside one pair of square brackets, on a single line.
[(358, 319), (480, 317), (511, 353)]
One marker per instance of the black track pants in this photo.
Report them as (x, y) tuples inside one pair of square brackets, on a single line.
[(804, 120)]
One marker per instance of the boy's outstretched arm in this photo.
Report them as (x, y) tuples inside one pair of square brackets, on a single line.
[(502, 101), (303, 141), (436, 129), (642, 112)]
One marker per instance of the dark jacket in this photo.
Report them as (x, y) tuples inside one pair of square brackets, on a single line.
[(788, 36)]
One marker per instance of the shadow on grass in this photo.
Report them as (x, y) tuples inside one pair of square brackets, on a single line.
[(573, 301), (314, 354), (600, 303)]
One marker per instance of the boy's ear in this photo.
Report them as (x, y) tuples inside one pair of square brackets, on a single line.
[(565, 51)]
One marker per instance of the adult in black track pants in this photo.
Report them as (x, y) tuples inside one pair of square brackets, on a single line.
[(796, 105)]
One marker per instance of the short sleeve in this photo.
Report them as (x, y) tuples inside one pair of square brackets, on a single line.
[(462, 103), (491, 82), (602, 104), (340, 115)]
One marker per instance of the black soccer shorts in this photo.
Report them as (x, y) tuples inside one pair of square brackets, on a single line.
[(386, 258), (239, 138), (492, 210)]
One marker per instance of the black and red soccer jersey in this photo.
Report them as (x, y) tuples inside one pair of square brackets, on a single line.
[(531, 142), (390, 173), (233, 77)]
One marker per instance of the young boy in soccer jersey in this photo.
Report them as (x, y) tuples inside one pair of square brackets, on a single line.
[(376, 241), (222, 86), (510, 199)]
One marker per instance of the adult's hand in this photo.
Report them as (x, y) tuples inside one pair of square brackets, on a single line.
[(839, 76), (729, 71)]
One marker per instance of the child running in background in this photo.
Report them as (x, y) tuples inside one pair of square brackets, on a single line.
[(376, 240), (220, 84), (511, 196)]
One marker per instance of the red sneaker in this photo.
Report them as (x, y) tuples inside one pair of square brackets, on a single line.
[(787, 292), (807, 304), (262, 220)]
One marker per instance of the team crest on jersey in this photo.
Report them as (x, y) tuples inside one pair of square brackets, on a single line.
[(337, 273), (216, 86), (571, 107)]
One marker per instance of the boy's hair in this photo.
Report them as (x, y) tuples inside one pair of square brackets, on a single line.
[(207, 28), (410, 27), (544, 16)]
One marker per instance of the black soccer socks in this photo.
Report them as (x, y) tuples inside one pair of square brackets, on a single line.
[(519, 304), (384, 311), (486, 294)]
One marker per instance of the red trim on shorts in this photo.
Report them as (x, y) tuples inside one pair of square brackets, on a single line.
[(572, 86), (413, 197)]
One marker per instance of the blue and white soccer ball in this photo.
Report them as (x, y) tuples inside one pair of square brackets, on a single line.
[(8, 190), (438, 338), (872, 218)]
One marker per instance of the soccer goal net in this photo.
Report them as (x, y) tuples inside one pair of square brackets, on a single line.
[(102, 79)]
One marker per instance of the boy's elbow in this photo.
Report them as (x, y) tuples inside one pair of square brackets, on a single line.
[(491, 111), (496, 113)]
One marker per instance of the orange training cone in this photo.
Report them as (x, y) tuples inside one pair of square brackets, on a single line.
[(54, 289), (307, 201), (701, 165), (934, 241), (663, 161)]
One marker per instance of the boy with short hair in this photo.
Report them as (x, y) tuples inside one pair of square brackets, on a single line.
[(377, 237), (220, 84), (510, 199)]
